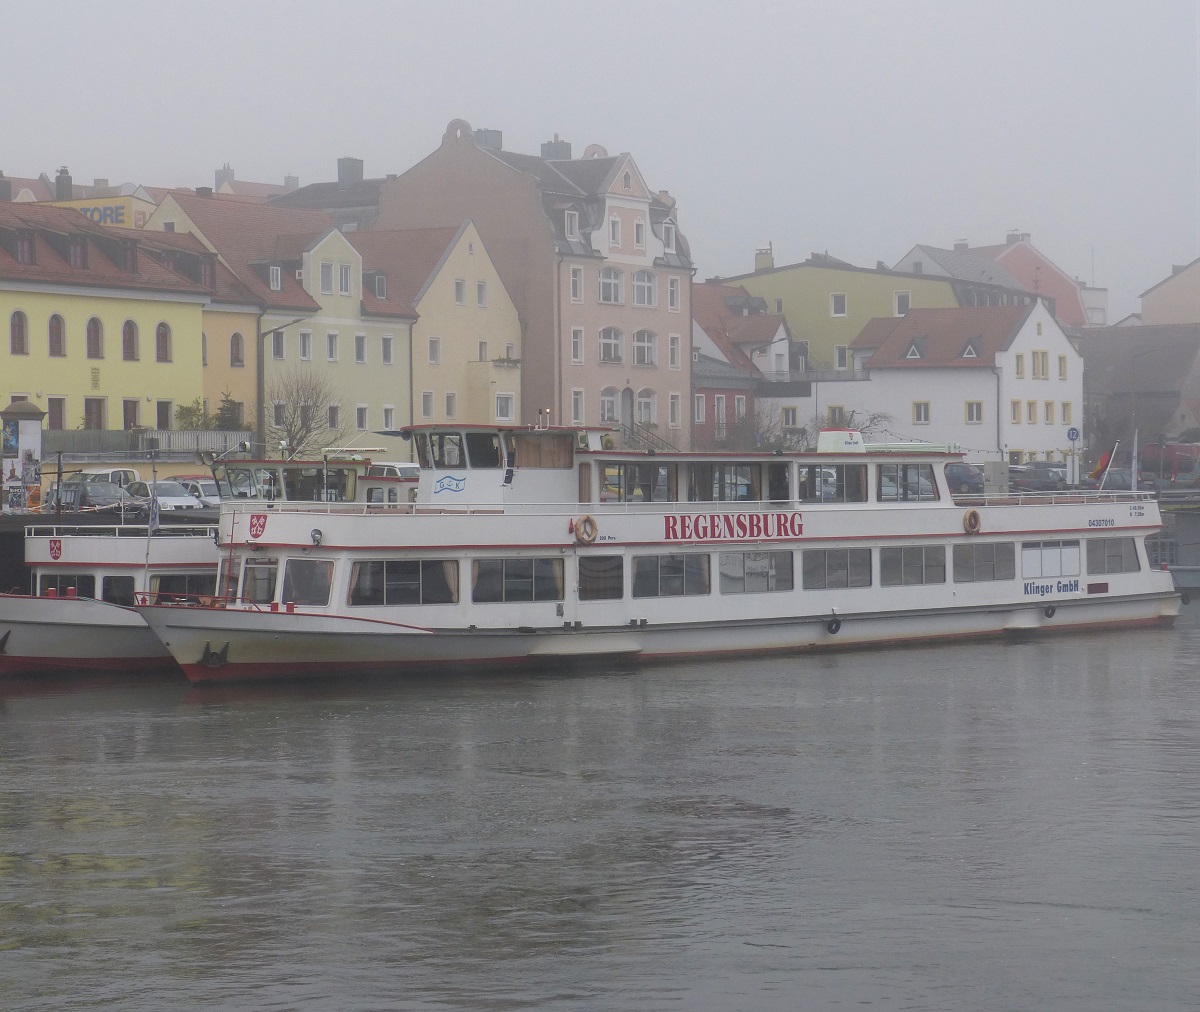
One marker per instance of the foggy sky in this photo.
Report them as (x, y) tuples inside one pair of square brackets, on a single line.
[(856, 128)]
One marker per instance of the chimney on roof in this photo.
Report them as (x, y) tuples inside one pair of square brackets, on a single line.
[(556, 149), (222, 176), (493, 139), (5, 189), (961, 246), (101, 183), (291, 183), (63, 190), (204, 191), (1015, 237), (1175, 268), (764, 259), (350, 171)]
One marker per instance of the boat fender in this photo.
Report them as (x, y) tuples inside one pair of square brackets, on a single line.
[(834, 625), (972, 522), (1050, 610), (586, 530)]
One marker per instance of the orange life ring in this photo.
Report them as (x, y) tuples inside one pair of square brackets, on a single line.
[(972, 523), (586, 530)]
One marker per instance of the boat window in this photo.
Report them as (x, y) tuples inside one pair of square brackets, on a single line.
[(258, 580), (60, 583), (907, 483), (117, 590), (832, 483), (1112, 555), (916, 564), (982, 562), (544, 449), (227, 578), (755, 572), (516, 580), (447, 450), (307, 581), (777, 482), (483, 449), (601, 578), (724, 483), (1049, 558), (404, 581), (637, 483), (421, 442), (835, 568), (190, 587), (675, 575)]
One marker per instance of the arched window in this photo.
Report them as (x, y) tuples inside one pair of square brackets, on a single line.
[(611, 341), (643, 348), (58, 340), (608, 404), (18, 334), (162, 343), (645, 407), (610, 285), (95, 339), (237, 352), (644, 289), (129, 341)]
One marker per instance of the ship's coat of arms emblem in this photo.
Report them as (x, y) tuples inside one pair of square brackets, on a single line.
[(258, 524), (56, 548)]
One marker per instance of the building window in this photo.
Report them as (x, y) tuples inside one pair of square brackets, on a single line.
[(673, 294), (435, 351), (93, 413), (1015, 412), (577, 345), (576, 407), (483, 351), (1048, 412), (24, 247), (571, 224), (277, 344), (504, 407), (360, 348), (326, 279), (668, 237), (203, 348), (719, 416), (698, 409), (644, 289), (344, 279), (608, 405), (481, 294), (614, 232), (510, 352), (237, 350), (1062, 367), (1041, 364), (277, 413), (837, 304), (77, 254), (57, 336), (331, 346), (610, 285), (451, 404), (1031, 412), (639, 234), (643, 348), (460, 292), (426, 403), (1066, 412), (381, 286), (1039, 329), (576, 284), (1019, 366), (912, 565), (920, 412), (901, 302), (334, 415), (386, 351), (646, 407), (164, 410), (788, 418), (675, 410), (610, 345), (843, 356), (276, 277), (162, 343), (389, 417), (837, 415), (305, 346), (360, 417), (18, 334), (974, 412), (673, 358), (95, 339), (56, 412)]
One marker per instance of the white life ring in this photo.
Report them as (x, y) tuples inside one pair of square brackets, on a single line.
[(972, 523), (586, 530)]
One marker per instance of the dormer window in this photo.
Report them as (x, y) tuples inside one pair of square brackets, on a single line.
[(381, 286), (208, 272), (970, 352), (128, 256), (913, 351), (627, 181), (276, 277), (668, 237), (25, 247), (571, 224), (77, 254)]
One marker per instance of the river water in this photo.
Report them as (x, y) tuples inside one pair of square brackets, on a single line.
[(993, 826)]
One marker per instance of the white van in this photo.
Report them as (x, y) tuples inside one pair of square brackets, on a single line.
[(117, 475), (387, 469)]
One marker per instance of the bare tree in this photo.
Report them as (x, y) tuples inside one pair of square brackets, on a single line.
[(298, 413)]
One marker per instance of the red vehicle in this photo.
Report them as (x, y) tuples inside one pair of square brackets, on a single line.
[(1169, 460)]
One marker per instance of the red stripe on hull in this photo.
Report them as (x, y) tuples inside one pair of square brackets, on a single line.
[(16, 667)]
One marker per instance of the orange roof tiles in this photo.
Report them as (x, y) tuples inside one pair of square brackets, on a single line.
[(941, 336)]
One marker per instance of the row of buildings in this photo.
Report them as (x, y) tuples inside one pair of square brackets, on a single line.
[(486, 285)]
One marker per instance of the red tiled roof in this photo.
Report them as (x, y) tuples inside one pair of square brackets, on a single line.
[(408, 257), (727, 330), (941, 336)]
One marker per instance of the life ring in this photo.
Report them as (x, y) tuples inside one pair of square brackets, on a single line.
[(834, 626), (1050, 610), (586, 530), (972, 522)]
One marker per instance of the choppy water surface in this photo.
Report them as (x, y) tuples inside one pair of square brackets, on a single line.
[(1008, 826)]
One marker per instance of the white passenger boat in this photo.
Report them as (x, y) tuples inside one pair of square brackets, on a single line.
[(530, 545)]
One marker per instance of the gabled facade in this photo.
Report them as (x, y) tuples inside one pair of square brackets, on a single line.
[(101, 332), (594, 262), (1175, 299)]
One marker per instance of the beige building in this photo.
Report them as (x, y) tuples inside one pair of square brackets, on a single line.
[(1175, 299)]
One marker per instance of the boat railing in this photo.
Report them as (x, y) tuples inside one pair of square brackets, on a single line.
[(1074, 495), (127, 531)]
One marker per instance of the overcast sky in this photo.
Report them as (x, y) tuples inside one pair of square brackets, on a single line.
[(857, 128)]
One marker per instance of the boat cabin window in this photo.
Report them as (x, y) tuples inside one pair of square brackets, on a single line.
[(601, 578), (258, 580), (907, 483), (778, 489), (1049, 558), (835, 568), (832, 483), (118, 590), (307, 581), (60, 583), (544, 449), (755, 572), (483, 449), (724, 483), (637, 483), (247, 483), (675, 575), (190, 587), (447, 450), (516, 580), (404, 581)]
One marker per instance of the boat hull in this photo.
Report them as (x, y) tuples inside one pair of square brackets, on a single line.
[(213, 645)]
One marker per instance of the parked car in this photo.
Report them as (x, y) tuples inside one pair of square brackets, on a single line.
[(965, 479), (1037, 476), (171, 495), (104, 497), (202, 487), (1118, 478), (117, 475)]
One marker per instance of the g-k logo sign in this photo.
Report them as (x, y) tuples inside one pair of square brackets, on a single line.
[(258, 524), (450, 483), (56, 548)]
